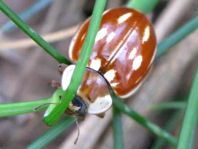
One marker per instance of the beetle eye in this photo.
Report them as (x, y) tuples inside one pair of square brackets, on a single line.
[(80, 103)]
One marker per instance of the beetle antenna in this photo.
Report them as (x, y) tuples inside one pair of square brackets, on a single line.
[(38, 108), (78, 132)]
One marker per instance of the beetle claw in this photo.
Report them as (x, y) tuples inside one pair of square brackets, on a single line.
[(101, 115), (55, 84)]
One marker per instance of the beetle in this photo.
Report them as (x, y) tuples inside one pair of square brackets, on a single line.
[(121, 58)]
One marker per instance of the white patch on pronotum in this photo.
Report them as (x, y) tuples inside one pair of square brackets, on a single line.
[(101, 34), (95, 64), (66, 76), (101, 105), (110, 75)]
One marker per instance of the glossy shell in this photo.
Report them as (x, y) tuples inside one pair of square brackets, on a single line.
[(124, 48)]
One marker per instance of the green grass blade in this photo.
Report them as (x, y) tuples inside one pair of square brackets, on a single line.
[(170, 126), (12, 109), (143, 121), (52, 133), (190, 118), (32, 34), (145, 6), (177, 105), (117, 129), (76, 79), (177, 36)]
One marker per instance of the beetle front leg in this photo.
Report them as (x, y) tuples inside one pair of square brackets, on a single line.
[(61, 68), (54, 84), (101, 115)]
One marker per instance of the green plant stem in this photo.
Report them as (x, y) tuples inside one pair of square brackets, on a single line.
[(169, 105), (117, 129), (170, 125), (143, 121), (145, 6), (52, 133), (32, 34), (190, 118), (11, 109), (177, 36), (79, 70)]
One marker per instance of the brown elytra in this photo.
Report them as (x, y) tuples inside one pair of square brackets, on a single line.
[(124, 48)]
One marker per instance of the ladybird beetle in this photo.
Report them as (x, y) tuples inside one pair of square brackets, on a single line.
[(124, 50)]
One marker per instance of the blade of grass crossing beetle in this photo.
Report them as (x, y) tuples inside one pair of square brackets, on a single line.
[(76, 79)]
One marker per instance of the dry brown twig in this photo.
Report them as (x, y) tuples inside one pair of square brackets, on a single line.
[(50, 37), (170, 17)]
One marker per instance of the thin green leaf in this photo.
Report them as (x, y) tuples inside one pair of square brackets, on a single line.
[(145, 6), (177, 36), (76, 79), (52, 133), (190, 118), (143, 121), (55, 100), (170, 126), (32, 34), (117, 129), (12, 109), (169, 105)]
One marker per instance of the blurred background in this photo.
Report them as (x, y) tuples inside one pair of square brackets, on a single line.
[(25, 72)]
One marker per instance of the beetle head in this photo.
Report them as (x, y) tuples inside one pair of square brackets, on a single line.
[(92, 95)]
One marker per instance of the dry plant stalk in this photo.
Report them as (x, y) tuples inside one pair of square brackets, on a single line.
[(174, 12), (50, 37)]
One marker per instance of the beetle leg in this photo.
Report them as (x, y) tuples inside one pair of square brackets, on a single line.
[(101, 115), (55, 84), (61, 68)]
